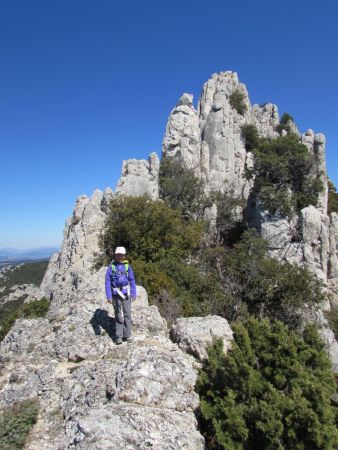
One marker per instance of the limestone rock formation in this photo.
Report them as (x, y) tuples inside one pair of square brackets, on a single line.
[(93, 394), (140, 177), (220, 131), (182, 138), (208, 140), (70, 275)]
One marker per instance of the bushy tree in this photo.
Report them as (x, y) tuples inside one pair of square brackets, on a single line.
[(229, 228), (236, 100), (250, 134), (149, 229), (35, 308), (253, 283), (271, 391), (182, 189), (282, 175), (332, 318), (20, 310), (153, 277), (284, 123), (162, 246)]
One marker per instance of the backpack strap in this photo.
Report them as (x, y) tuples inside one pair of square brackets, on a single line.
[(126, 267)]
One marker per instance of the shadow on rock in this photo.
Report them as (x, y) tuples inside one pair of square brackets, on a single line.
[(101, 320)]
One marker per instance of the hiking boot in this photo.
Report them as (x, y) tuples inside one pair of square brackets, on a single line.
[(118, 341), (129, 339)]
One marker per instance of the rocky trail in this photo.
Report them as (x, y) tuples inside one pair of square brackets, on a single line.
[(94, 394)]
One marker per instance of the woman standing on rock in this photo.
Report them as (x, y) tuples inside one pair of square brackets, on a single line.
[(121, 291)]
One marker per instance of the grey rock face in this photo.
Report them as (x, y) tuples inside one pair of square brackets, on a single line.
[(195, 334), (333, 259), (266, 118), (129, 430), (208, 140), (94, 394), (220, 130), (140, 177), (70, 274), (160, 376)]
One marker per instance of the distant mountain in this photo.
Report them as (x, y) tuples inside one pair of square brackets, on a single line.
[(32, 253)]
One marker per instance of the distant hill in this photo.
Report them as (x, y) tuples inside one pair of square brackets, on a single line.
[(32, 273), (12, 254)]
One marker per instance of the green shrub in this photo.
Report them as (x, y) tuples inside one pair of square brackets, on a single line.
[(7, 324), (284, 123), (250, 134), (232, 283), (150, 230), (277, 200), (154, 278), (236, 100), (192, 285), (169, 306), (15, 424), (182, 189), (34, 309), (332, 317), (229, 229), (271, 391), (332, 205), (286, 118), (176, 287), (10, 308), (308, 193)]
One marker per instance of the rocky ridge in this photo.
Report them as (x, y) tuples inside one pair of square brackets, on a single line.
[(92, 393), (96, 395)]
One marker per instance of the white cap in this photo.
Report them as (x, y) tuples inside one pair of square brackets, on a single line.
[(120, 250)]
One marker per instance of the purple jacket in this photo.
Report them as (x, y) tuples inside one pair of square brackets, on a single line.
[(120, 267)]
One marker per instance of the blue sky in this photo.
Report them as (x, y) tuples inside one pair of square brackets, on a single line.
[(85, 84)]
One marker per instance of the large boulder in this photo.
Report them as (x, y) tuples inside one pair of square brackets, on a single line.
[(195, 334)]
